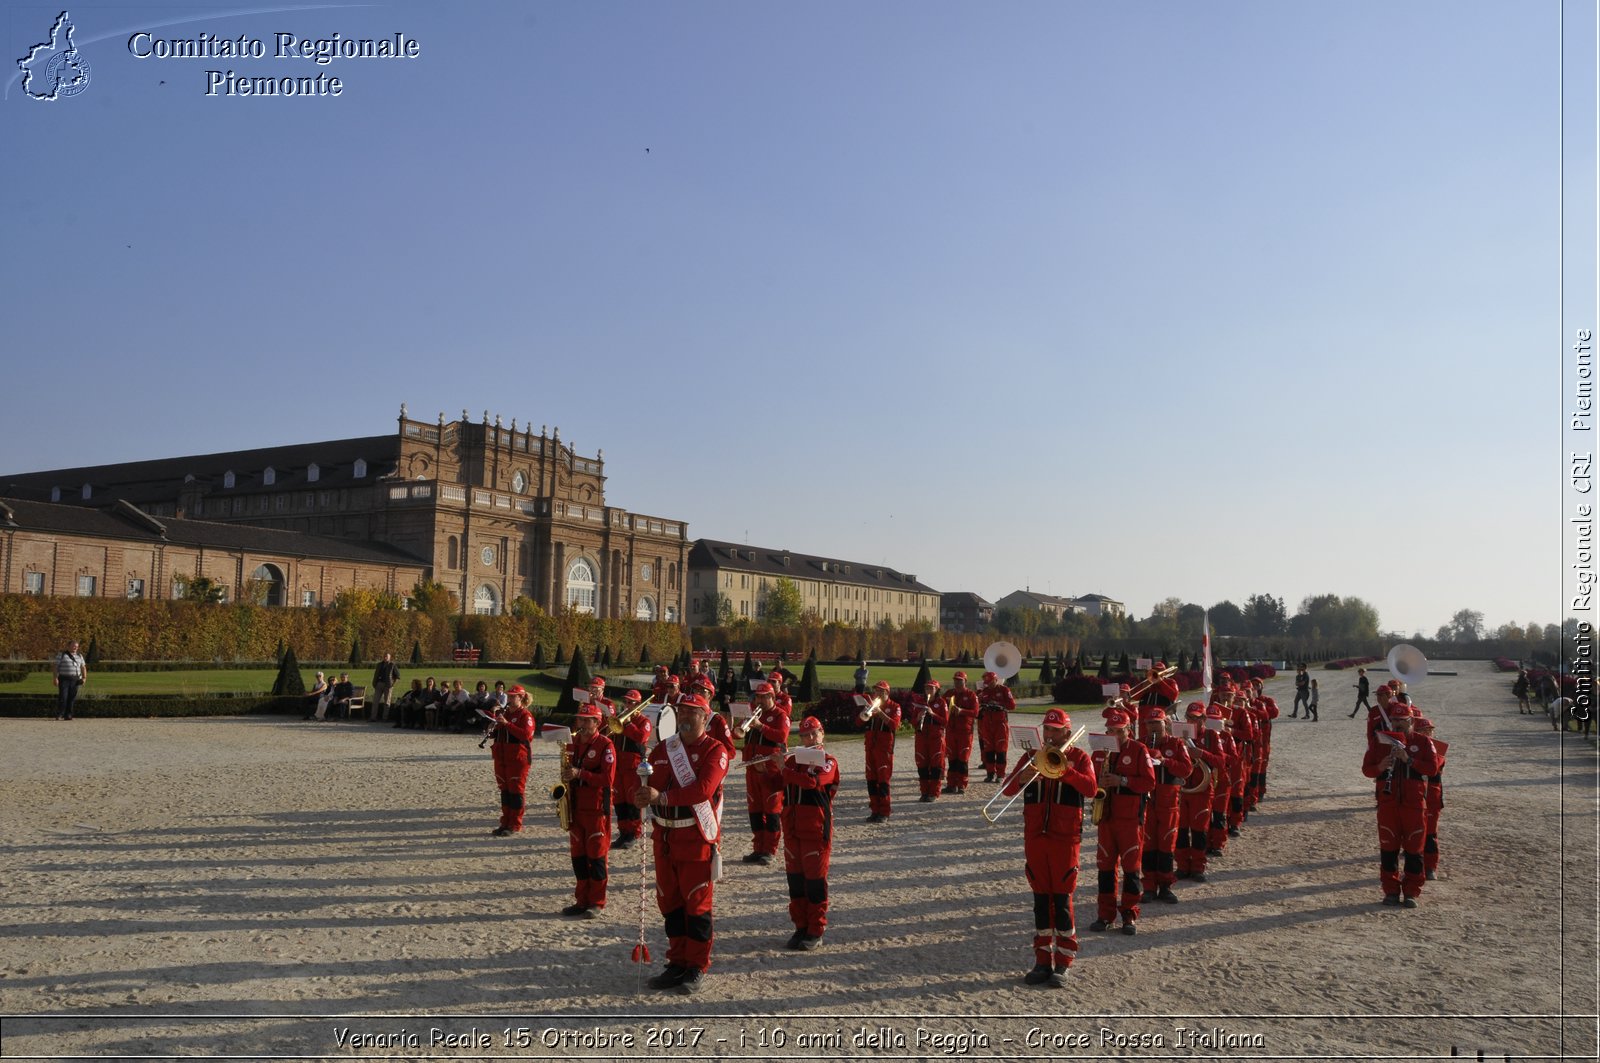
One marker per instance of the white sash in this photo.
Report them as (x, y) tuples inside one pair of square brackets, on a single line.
[(708, 818)]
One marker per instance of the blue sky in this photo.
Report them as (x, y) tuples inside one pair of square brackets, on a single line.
[(1142, 299)]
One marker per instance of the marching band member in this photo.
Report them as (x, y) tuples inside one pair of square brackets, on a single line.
[(589, 774), (995, 704), (1161, 692), (1194, 809), (717, 726), (513, 752), (631, 746), (1052, 830), (1127, 777), (1227, 781), (780, 696), (880, 726), (963, 714), (808, 793), (1242, 799), (1435, 801), (597, 696), (1171, 757), (664, 687), (1401, 764), (929, 715), (685, 788), (766, 733)]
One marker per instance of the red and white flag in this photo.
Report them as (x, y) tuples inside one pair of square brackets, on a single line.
[(1205, 650)]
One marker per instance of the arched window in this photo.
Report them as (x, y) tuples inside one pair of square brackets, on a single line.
[(360, 469), (87, 491), (672, 576), (227, 478), (451, 552), (55, 494), (646, 610), (313, 473), (581, 586), (486, 602), (268, 585), (269, 476)]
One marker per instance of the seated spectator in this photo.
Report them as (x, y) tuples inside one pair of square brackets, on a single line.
[(457, 707), (408, 710), (317, 698), (338, 707), (432, 701)]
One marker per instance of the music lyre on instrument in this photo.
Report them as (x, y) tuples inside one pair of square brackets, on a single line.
[(1047, 762)]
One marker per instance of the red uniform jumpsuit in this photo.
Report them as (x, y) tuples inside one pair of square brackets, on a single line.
[(1194, 810), (589, 835), (512, 750), (879, 742), (995, 703), (1430, 847), (1161, 818), (1222, 795), (1121, 833), (929, 716), (1052, 831), (1401, 796), (682, 851), (631, 748), (808, 841), (764, 782), (1242, 799), (1269, 712), (958, 742)]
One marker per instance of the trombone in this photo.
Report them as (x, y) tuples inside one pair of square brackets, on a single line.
[(1047, 762), (1143, 686)]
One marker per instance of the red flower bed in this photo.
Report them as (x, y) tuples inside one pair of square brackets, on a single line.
[(1349, 662)]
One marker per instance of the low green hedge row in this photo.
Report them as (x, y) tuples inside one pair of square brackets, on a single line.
[(124, 706)]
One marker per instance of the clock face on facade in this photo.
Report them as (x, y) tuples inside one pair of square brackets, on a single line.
[(519, 482), (487, 555)]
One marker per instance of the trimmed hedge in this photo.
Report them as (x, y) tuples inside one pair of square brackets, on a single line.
[(124, 706)]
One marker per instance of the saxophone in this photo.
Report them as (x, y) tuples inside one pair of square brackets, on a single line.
[(560, 794)]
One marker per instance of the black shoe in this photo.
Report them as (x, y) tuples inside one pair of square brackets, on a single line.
[(1147, 896), (877, 817), (625, 842), (1057, 979), (1409, 902), (766, 858), (1391, 900), (948, 790), (690, 983), (1428, 875), (500, 832), (753, 858), (1102, 924), (1039, 975), (1233, 832), (1197, 876), (669, 977), (1213, 852), (795, 940), (1183, 874), (925, 799), (1128, 928), (808, 942), (580, 910), (1166, 896)]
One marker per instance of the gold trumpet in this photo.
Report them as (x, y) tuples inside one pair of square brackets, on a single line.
[(615, 725), (1047, 762), (559, 792)]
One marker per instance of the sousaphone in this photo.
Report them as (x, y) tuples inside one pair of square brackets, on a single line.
[(1407, 663), (1003, 659)]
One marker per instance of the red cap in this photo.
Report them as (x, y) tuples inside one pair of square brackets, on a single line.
[(1056, 718), (933, 684), (1123, 688), (960, 675), (1215, 713), (591, 711), (775, 675), (598, 681), (703, 682), (1116, 718), (1422, 721), (991, 677), (882, 684), (632, 696), (1195, 708), (672, 678), (1152, 713), (518, 689), (763, 688), (809, 724), (1399, 710), (692, 701)]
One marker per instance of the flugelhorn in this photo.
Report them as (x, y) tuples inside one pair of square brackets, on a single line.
[(1047, 762)]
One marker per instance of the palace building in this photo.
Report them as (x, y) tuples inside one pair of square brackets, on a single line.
[(491, 511), (845, 591)]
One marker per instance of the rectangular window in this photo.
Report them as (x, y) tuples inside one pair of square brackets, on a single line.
[(744, 608), (280, 502), (136, 589), (85, 586), (238, 505), (261, 503), (308, 597), (179, 589), (33, 583)]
